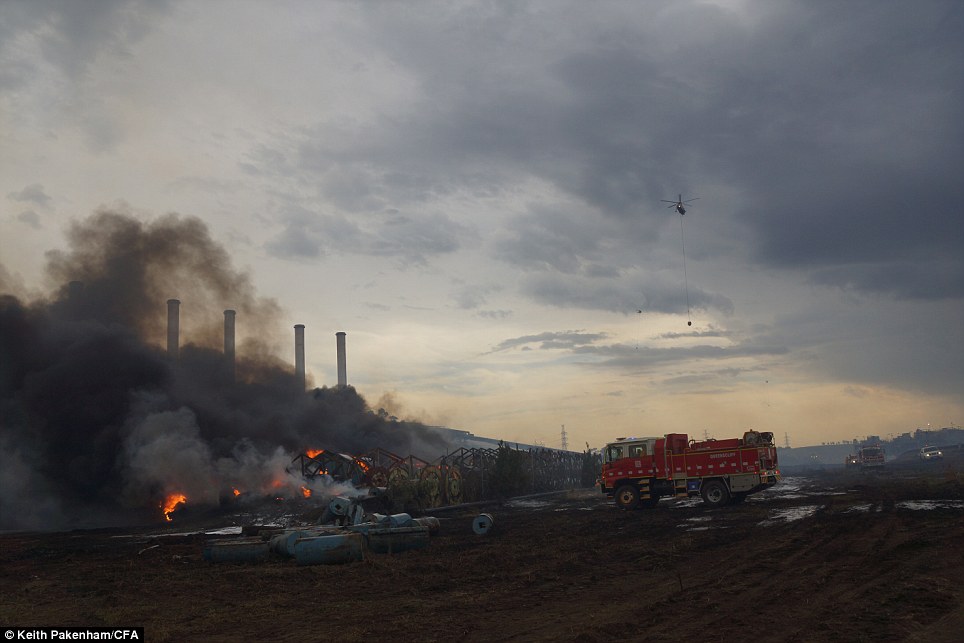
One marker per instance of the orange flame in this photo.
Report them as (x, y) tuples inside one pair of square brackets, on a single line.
[(313, 452), (306, 492), (361, 463), (236, 492), (171, 502)]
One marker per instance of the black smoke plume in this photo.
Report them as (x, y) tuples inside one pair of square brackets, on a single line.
[(98, 424)]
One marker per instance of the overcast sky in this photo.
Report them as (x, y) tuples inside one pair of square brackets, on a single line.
[(472, 191)]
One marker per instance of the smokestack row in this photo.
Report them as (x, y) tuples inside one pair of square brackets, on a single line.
[(173, 342)]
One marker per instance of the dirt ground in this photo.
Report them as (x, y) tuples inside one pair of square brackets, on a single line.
[(820, 557)]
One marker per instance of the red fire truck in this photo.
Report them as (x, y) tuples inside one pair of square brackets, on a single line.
[(639, 471), (870, 456)]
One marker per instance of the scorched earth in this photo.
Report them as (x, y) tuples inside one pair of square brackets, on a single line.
[(819, 557)]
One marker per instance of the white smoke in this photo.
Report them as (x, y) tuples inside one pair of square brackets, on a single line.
[(164, 454)]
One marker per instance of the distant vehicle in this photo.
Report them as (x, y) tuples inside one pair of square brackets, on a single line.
[(867, 457), (931, 453), (871, 456)]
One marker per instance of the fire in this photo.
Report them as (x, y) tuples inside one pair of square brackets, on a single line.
[(313, 452), (306, 492), (237, 492), (170, 504)]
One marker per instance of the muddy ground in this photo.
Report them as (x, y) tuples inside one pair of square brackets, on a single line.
[(821, 557)]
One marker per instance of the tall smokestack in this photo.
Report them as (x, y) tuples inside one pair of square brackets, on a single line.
[(173, 327), (229, 341), (342, 362), (300, 354)]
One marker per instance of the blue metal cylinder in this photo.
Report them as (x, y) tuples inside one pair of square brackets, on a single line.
[(397, 539), (329, 550), (483, 524)]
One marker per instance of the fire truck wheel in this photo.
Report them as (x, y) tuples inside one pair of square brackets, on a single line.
[(627, 497), (715, 493)]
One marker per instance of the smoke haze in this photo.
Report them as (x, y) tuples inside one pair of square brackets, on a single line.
[(98, 424)]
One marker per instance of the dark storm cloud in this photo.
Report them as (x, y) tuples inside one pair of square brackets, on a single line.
[(836, 125)]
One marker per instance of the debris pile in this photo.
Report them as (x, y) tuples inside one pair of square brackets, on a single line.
[(346, 533)]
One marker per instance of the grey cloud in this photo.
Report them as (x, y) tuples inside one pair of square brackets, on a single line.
[(650, 294), (712, 332), (72, 33), (30, 218), (832, 123), (568, 340), (410, 239), (470, 297), (925, 278), (495, 314), (33, 193)]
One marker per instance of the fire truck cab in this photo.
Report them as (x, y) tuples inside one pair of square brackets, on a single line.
[(639, 471)]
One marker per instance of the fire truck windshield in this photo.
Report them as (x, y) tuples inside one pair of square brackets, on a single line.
[(613, 452)]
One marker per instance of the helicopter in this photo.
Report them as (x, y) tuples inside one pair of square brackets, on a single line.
[(680, 206), (679, 203)]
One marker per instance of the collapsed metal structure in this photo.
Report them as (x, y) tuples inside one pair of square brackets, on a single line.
[(464, 475)]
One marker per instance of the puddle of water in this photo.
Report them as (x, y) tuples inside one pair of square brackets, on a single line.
[(790, 515), (924, 505), (527, 504)]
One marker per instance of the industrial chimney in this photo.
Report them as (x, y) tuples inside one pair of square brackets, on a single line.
[(300, 354), (229, 342), (342, 368), (173, 327)]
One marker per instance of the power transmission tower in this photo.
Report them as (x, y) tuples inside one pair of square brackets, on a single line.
[(786, 440), (565, 440)]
